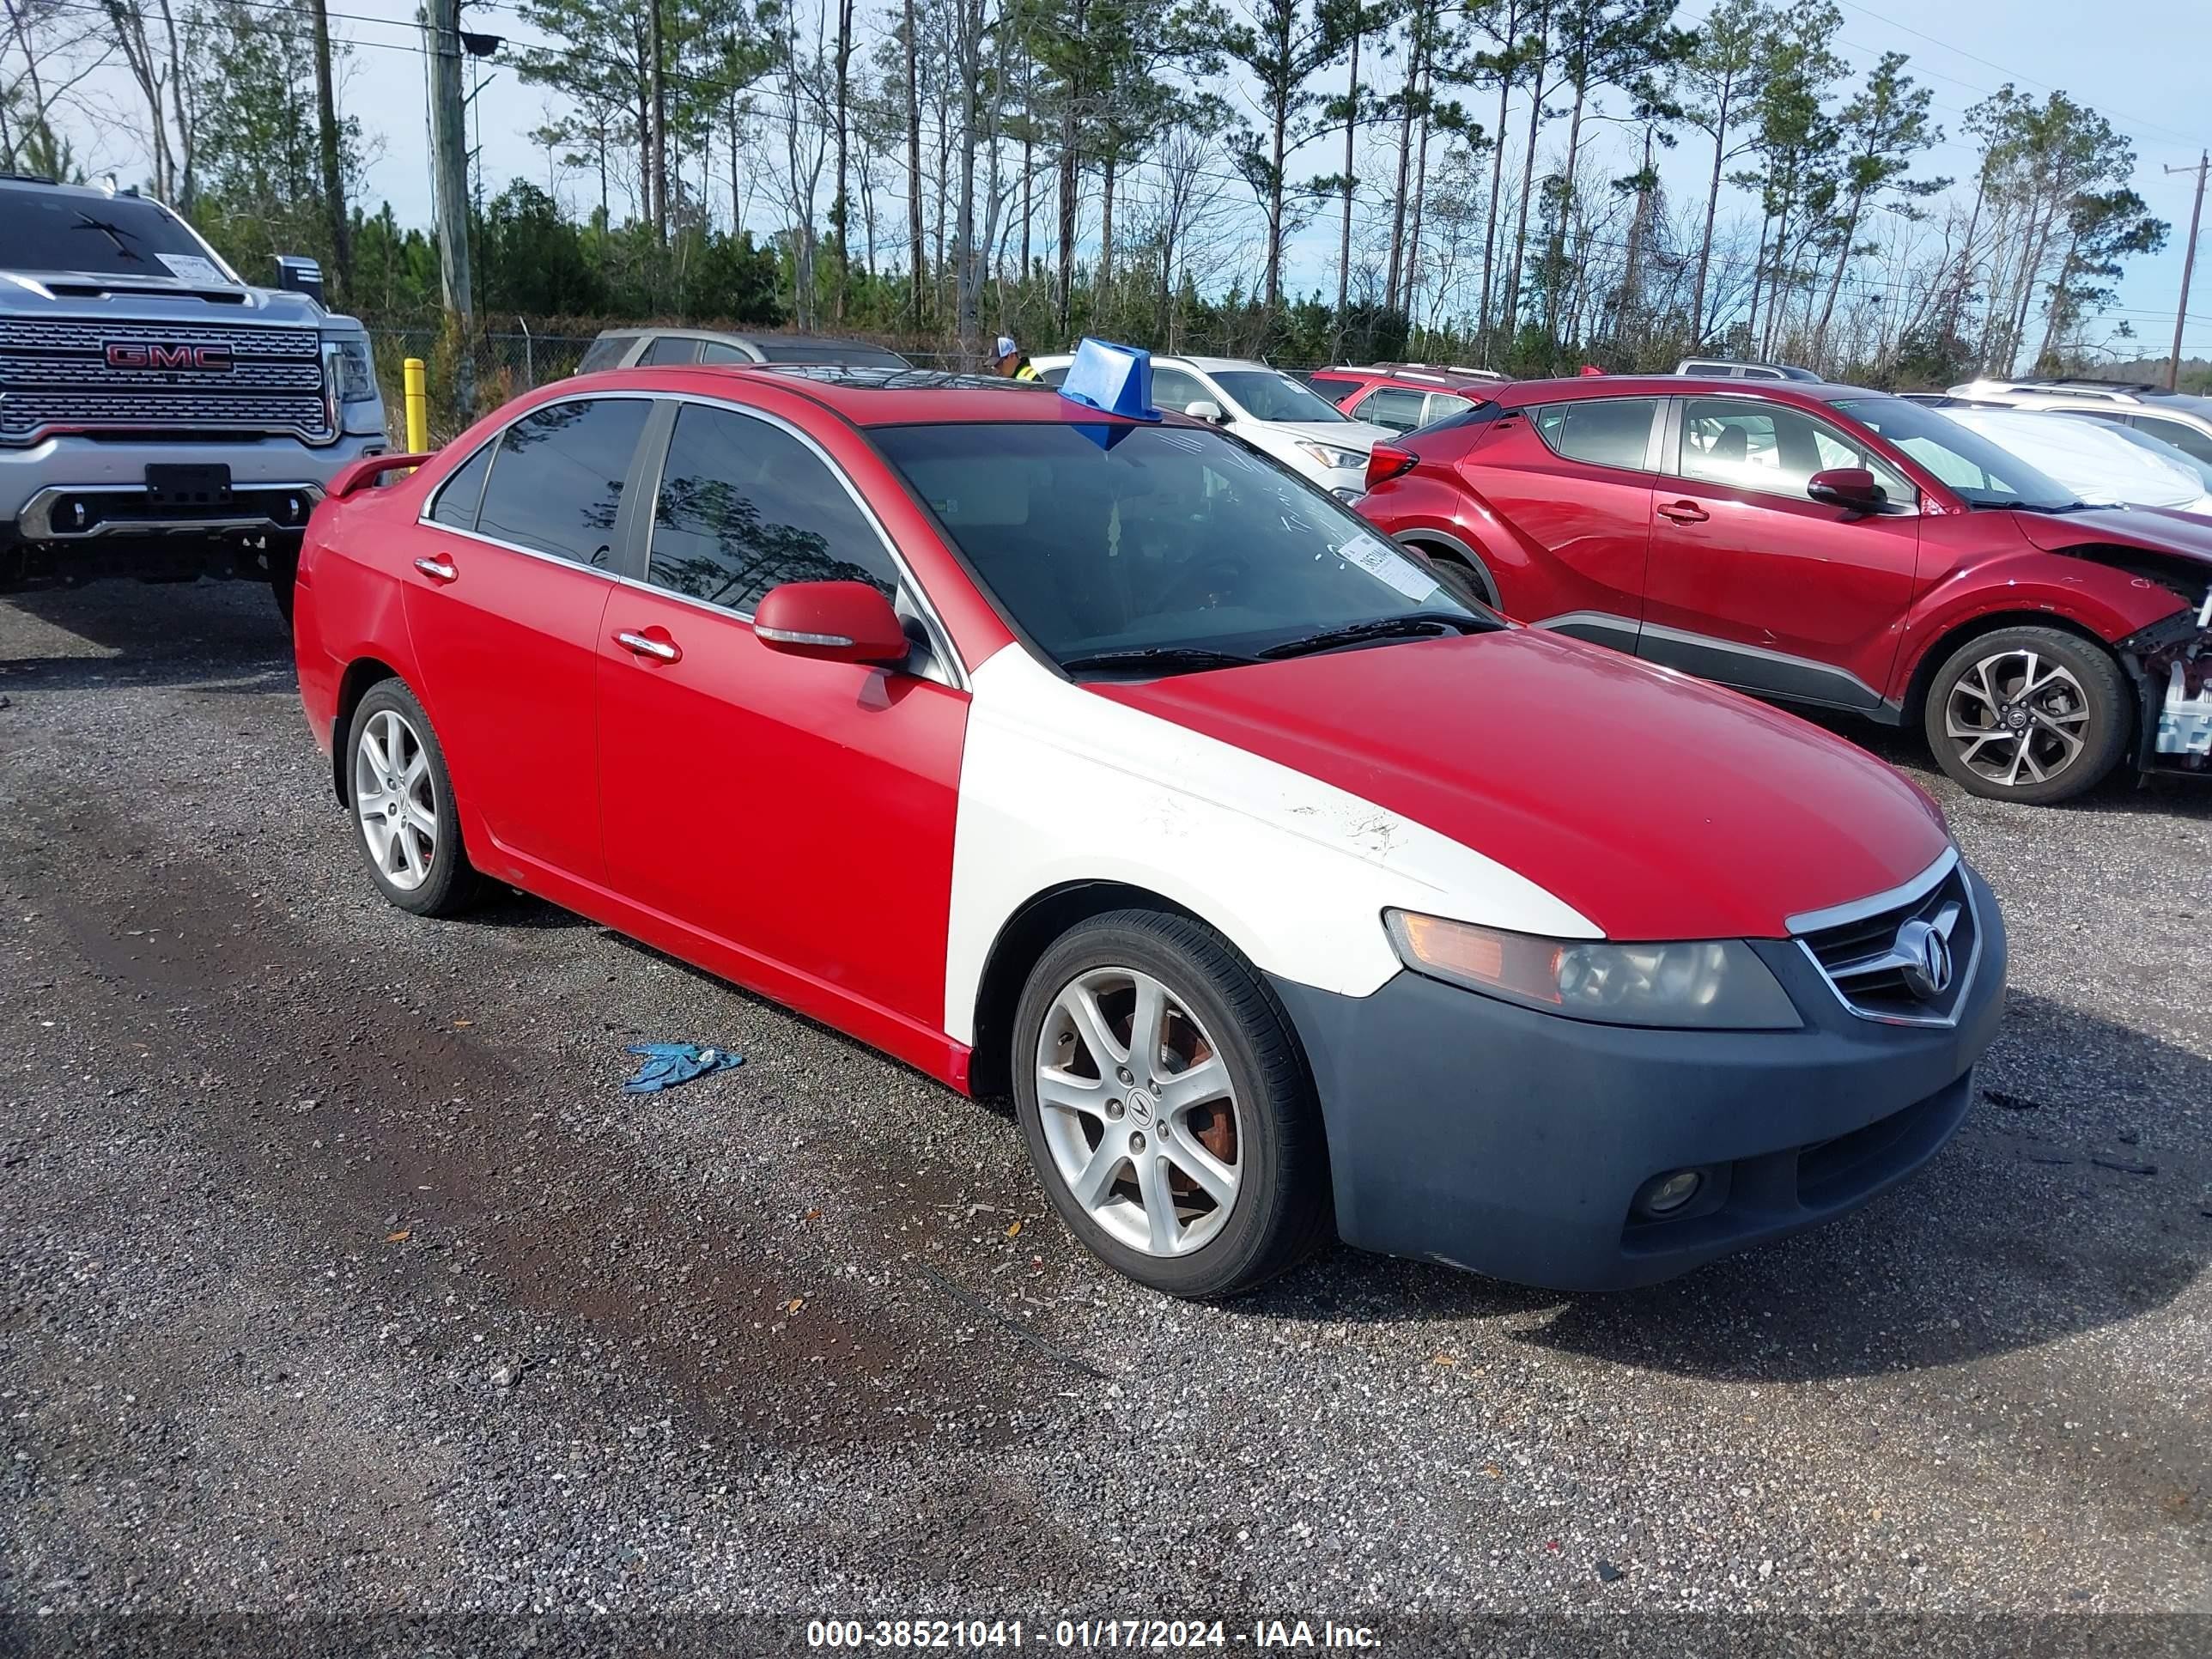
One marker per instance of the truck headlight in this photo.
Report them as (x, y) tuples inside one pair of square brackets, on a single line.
[(355, 374), (1329, 455), (1702, 984)]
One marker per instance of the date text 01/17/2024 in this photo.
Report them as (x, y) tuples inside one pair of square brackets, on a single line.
[(1133, 1635)]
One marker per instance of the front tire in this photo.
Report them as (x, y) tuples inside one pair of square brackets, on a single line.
[(1166, 1107), (2030, 714), (401, 798)]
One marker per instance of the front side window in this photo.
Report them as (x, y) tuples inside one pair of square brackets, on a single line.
[(1391, 406), (744, 506), (1983, 474), (1171, 389), (1268, 394), (557, 481), (1154, 546), (1771, 447), (1603, 431), (1329, 386)]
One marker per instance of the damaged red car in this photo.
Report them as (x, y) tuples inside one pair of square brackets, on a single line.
[(1832, 547)]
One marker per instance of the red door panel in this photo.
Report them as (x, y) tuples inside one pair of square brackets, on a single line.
[(799, 812), (1753, 583), (1567, 486), (506, 647)]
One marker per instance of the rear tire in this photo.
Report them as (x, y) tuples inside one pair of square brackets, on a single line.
[(1191, 1160), (1460, 579), (400, 797), (2030, 714)]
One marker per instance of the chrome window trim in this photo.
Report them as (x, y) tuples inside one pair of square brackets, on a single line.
[(1813, 921), (1835, 916), (940, 637)]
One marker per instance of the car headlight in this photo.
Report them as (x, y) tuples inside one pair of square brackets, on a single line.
[(1705, 984), (1330, 456), (351, 366)]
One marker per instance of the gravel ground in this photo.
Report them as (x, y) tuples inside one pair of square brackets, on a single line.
[(339, 1275)]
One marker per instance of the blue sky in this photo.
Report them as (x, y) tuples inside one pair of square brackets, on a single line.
[(2141, 64)]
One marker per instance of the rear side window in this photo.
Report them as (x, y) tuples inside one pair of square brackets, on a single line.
[(1443, 404), (556, 482), (1392, 406), (1058, 373), (1603, 431), (459, 496), (667, 349), (744, 506), (716, 352), (605, 352)]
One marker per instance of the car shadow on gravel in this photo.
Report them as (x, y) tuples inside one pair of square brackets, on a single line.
[(2025, 1229), (145, 623)]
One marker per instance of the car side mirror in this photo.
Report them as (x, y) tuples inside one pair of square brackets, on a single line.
[(1849, 487), (1205, 409), (835, 622), (300, 275)]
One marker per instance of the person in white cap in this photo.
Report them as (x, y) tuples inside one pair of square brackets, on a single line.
[(1011, 363)]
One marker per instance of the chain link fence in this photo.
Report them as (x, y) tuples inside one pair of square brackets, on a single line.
[(505, 366)]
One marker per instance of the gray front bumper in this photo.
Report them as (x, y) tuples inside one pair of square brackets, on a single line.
[(36, 479), (1470, 1131)]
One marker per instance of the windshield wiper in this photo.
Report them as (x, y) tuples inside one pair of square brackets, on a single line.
[(1382, 628), (114, 234), (1161, 656)]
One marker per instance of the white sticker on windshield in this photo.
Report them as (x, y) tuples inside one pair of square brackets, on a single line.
[(1386, 564), (191, 268)]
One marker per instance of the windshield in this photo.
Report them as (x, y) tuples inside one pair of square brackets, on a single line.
[(54, 230), (1268, 395), (1983, 474), (1111, 539)]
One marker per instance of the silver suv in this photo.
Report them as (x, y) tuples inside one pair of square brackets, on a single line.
[(2173, 418), (159, 417)]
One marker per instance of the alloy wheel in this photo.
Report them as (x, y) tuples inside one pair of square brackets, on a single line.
[(2017, 718), (395, 799), (1138, 1111)]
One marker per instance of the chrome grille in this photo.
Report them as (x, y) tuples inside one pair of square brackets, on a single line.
[(1871, 953), (56, 375)]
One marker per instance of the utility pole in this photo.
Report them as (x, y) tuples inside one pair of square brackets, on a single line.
[(327, 111), (656, 187), (449, 182), (2188, 265)]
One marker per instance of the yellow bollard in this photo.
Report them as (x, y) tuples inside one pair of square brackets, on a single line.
[(418, 406)]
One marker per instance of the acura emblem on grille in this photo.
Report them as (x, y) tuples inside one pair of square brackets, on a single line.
[(131, 354), (1924, 957)]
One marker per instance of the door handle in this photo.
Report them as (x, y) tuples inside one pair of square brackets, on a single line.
[(1683, 512), (438, 569), (644, 644)]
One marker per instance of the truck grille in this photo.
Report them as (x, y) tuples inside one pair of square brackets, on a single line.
[(58, 376), (1875, 959)]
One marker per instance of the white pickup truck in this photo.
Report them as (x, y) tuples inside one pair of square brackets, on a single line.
[(158, 418)]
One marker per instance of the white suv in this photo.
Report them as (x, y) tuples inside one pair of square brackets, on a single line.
[(2176, 418), (1265, 407)]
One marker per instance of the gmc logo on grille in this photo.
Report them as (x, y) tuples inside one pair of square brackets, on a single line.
[(125, 354)]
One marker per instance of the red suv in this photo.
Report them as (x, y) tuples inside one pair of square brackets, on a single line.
[(1829, 546)]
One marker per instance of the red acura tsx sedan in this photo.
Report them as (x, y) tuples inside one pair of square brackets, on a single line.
[(1061, 749), (1830, 547)]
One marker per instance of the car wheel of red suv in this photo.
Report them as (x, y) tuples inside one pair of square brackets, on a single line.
[(2030, 714), (1165, 1107)]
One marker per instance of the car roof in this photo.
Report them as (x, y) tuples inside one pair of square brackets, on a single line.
[(1522, 394), (877, 397), (1411, 375)]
